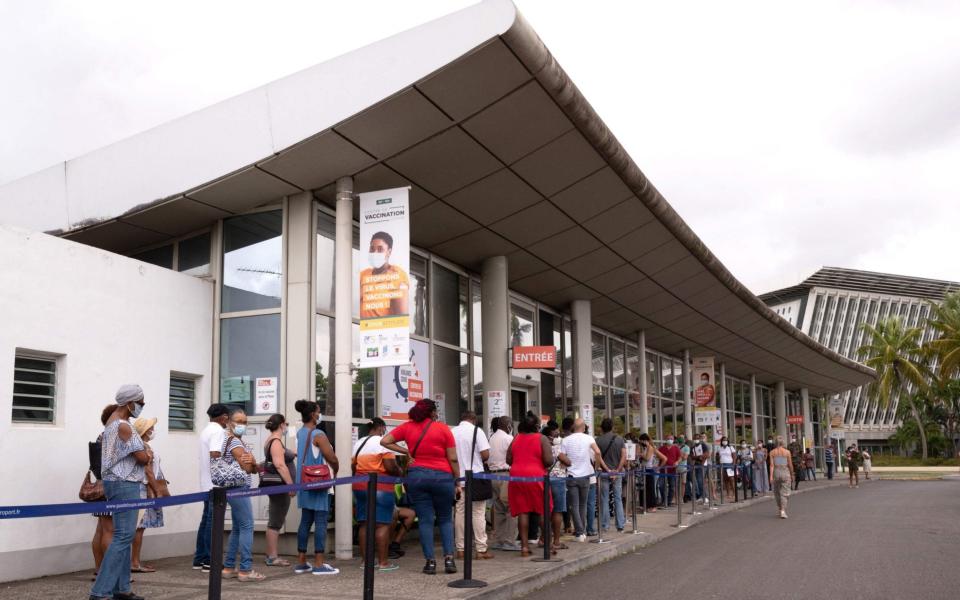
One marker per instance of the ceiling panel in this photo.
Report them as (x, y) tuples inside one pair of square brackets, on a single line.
[(564, 246), (640, 241), (559, 164), (635, 293), (470, 250), (445, 163), (243, 190), (681, 271), (176, 217), (519, 123), (394, 124), (592, 195), (521, 264), (381, 177), (615, 279), (601, 305), (619, 220), (475, 80), (542, 283), (494, 197), (662, 258), (533, 224), (117, 236), (437, 223), (584, 267), (561, 300), (318, 161)]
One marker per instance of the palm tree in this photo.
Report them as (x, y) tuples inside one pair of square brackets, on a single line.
[(894, 352), (945, 320)]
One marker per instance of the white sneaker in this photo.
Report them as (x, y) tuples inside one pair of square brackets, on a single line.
[(783, 515), (581, 538)]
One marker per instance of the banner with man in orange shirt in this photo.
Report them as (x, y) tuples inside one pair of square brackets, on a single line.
[(384, 283)]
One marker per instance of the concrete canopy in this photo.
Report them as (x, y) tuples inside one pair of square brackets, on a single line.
[(504, 156)]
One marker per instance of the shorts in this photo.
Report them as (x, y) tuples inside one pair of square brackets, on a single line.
[(386, 501), (558, 490), (277, 513)]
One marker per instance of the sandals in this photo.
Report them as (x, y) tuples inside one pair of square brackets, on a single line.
[(252, 576), (143, 569), (561, 546), (525, 552), (276, 561)]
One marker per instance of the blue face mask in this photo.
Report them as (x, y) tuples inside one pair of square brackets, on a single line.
[(239, 430), (137, 409)]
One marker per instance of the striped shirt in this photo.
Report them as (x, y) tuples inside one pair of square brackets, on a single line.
[(230, 443), (117, 462)]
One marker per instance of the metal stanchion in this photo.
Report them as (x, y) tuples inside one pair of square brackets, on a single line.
[(632, 477), (600, 539), (710, 496), (721, 473), (218, 496), (369, 556), (679, 477), (547, 524), (468, 581)]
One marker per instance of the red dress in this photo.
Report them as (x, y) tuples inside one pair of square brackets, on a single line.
[(526, 497)]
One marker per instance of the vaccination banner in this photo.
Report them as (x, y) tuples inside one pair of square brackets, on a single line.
[(835, 414), (402, 385), (705, 392), (384, 278)]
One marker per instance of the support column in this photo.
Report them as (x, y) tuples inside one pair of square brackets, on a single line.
[(807, 421), (495, 331), (582, 357), (724, 415), (687, 409), (758, 433), (644, 410), (343, 356), (780, 401)]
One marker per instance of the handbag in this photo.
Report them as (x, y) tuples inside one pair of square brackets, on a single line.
[(313, 473), (91, 491), (226, 473), (268, 471), (481, 489)]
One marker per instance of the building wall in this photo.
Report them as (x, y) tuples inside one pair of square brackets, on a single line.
[(790, 311), (110, 320)]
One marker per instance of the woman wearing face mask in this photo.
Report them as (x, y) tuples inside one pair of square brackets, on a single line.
[(313, 448), (382, 279), (241, 508), (279, 463), (558, 483), (122, 461), (760, 479), (650, 457), (726, 458), (152, 517), (745, 460)]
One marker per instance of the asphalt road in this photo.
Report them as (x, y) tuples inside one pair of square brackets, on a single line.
[(888, 539)]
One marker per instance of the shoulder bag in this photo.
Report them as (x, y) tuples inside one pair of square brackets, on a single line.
[(91, 491), (268, 471), (226, 473), (313, 473), (482, 489), (413, 453)]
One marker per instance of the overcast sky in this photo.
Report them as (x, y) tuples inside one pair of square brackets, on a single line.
[(787, 139)]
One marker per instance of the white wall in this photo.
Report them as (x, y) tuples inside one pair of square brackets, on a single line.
[(114, 320), (789, 311)]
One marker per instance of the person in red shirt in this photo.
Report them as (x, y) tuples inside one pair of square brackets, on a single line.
[(668, 483), (431, 474)]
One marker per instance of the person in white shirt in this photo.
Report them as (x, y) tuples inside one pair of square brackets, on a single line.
[(211, 441), (726, 458), (470, 438), (583, 453), (504, 525)]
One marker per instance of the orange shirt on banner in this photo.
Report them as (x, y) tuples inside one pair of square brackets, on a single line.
[(383, 294)]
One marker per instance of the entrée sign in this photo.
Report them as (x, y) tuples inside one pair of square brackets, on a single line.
[(534, 357)]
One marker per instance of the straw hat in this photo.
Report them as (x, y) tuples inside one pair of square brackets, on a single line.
[(142, 425)]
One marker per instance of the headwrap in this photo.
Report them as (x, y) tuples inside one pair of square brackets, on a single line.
[(128, 393)]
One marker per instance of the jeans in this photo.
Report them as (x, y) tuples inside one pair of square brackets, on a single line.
[(431, 493), (668, 488), (202, 554), (114, 573), (698, 481), (605, 485), (811, 474), (241, 534), (830, 471), (577, 502), (316, 520), (746, 477), (591, 522)]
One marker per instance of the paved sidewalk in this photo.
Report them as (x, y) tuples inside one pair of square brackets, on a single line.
[(508, 575)]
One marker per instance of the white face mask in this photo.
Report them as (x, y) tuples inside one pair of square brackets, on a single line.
[(377, 259)]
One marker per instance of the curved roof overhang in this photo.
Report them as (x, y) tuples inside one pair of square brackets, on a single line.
[(505, 157)]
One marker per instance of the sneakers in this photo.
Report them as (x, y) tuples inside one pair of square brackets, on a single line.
[(581, 538), (783, 515), (388, 567), (303, 568), (325, 569), (430, 568), (449, 567), (396, 551)]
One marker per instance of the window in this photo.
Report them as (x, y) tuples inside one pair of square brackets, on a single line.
[(34, 389), (598, 363), (252, 261), (161, 257), (418, 295), (183, 396), (521, 326), (449, 307), (249, 350), (193, 255)]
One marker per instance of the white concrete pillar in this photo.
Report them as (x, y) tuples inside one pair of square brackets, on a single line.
[(644, 410), (807, 421), (780, 400), (495, 331), (687, 396), (582, 357), (298, 378), (343, 355), (758, 432), (724, 415)]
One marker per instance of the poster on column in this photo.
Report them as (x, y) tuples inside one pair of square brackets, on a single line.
[(497, 402), (384, 280), (401, 386), (266, 395), (835, 414), (704, 392)]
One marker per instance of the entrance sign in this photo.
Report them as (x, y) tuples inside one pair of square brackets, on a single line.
[(794, 419), (534, 357), (384, 282), (705, 392), (497, 403), (403, 385), (266, 395)]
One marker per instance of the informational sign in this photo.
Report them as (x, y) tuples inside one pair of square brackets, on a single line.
[(586, 413), (631, 450), (396, 395), (266, 395), (794, 419), (497, 402), (835, 411), (704, 392), (534, 357), (638, 421), (441, 400), (717, 433), (544, 419), (384, 283), (235, 390)]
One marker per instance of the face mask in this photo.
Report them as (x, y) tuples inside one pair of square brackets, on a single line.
[(137, 409), (770, 441), (239, 430), (723, 443), (377, 259), (743, 445), (669, 442)]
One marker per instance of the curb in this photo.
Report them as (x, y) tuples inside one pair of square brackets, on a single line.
[(524, 584)]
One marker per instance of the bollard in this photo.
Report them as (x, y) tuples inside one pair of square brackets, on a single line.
[(468, 581), (632, 477), (713, 500), (218, 496), (546, 533), (680, 500), (369, 556), (721, 473), (599, 539)]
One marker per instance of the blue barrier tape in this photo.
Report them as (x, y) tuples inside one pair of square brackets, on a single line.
[(79, 508)]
